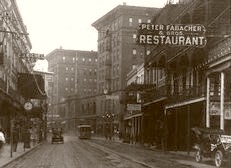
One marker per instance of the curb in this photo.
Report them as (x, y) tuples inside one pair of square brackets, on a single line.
[(18, 157)]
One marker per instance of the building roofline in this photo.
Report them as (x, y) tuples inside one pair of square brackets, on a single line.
[(115, 10)]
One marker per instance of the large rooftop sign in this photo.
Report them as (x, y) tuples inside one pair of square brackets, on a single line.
[(171, 34)]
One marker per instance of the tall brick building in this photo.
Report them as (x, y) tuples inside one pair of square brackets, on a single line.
[(74, 75), (117, 54)]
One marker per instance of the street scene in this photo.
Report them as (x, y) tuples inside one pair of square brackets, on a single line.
[(99, 153), (124, 84)]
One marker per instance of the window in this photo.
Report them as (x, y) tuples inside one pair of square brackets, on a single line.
[(134, 51), (66, 68), (66, 78), (130, 21), (148, 52), (64, 58), (134, 37), (139, 20), (149, 20), (83, 59), (89, 59)]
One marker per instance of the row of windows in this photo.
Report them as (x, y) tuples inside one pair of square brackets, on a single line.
[(115, 85), (131, 21), (107, 73), (81, 59), (89, 72), (67, 79), (134, 52), (118, 23), (69, 68), (89, 80), (154, 74), (83, 90), (83, 71)]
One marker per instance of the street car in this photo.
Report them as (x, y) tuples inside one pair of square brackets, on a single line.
[(57, 136), (84, 131)]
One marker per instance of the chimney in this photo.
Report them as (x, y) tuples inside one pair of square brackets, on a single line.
[(124, 3)]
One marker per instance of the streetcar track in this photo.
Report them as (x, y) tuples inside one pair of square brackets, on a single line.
[(157, 160), (119, 154)]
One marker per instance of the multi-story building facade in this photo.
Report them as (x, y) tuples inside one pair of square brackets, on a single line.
[(14, 42), (133, 115), (74, 77), (191, 83), (117, 53)]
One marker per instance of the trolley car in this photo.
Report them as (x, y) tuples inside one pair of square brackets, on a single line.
[(84, 131)]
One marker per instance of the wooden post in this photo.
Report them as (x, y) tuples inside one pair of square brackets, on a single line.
[(188, 126), (207, 103), (176, 129), (11, 136), (222, 102)]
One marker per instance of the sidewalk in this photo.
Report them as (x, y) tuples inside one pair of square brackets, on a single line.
[(5, 156), (190, 161)]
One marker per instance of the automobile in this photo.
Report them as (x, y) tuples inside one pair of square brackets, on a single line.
[(57, 136), (214, 144)]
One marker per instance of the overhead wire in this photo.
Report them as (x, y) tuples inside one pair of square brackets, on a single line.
[(43, 93)]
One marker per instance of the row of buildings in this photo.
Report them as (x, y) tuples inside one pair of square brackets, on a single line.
[(19, 85), (144, 90)]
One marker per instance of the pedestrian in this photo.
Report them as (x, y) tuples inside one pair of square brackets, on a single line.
[(15, 137), (2, 140), (26, 137)]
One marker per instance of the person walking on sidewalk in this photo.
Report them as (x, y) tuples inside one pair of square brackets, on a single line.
[(2, 140), (15, 137)]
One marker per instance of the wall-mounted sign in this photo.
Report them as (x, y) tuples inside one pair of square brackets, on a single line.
[(134, 107), (215, 109), (171, 35), (227, 110), (112, 97)]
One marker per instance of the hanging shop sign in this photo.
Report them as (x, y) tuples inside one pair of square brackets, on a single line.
[(172, 34), (32, 57)]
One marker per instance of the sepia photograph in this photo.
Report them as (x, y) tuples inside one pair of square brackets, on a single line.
[(115, 83)]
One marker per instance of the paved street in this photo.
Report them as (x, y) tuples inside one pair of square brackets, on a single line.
[(101, 153)]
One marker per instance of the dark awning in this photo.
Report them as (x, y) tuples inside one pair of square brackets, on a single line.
[(31, 86)]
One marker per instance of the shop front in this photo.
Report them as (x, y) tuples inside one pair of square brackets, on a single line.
[(218, 98), (10, 110), (180, 118), (153, 122)]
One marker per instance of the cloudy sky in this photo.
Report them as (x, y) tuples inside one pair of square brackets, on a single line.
[(67, 23)]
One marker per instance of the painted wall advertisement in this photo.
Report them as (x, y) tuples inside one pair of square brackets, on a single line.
[(215, 109), (172, 34)]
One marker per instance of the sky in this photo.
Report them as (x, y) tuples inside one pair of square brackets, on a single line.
[(52, 24)]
